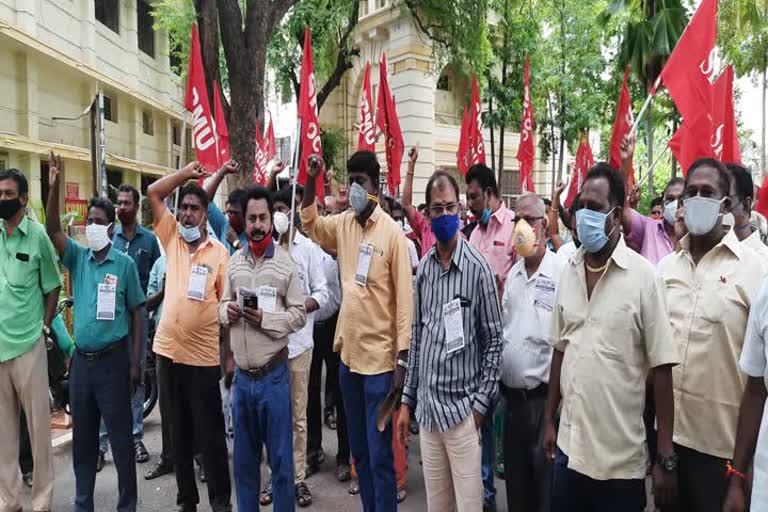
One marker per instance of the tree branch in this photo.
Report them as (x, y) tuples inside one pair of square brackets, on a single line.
[(428, 29), (344, 58)]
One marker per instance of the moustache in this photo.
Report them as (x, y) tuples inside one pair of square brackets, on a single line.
[(258, 234)]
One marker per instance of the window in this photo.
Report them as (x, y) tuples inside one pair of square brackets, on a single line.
[(380, 3), (114, 180), (147, 123), (108, 13), (110, 109), (174, 49), (176, 133), (146, 30), (444, 83), (510, 182)]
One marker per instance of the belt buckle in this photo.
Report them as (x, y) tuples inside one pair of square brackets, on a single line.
[(89, 356), (256, 373)]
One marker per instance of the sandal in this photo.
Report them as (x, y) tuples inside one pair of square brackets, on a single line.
[(303, 496), (354, 487), (343, 472), (266, 495), (401, 495)]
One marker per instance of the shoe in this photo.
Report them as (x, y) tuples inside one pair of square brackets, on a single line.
[(27, 479), (142, 455), (266, 495), (330, 419), (354, 487), (187, 508), (489, 507), (343, 472), (158, 470), (303, 496), (414, 426), (100, 462), (500, 470), (401, 495), (203, 477)]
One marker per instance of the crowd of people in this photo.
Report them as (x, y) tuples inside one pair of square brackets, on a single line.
[(616, 348)]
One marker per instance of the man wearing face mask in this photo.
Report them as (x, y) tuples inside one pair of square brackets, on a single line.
[(376, 286), (140, 244), (527, 304), (710, 284), (609, 327), (453, 365), (187, 339), (262, 305), (308, 259), (742, 194), (29, 290), (109, 318)]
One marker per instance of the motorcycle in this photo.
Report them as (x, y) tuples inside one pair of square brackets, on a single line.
[(150, 373)]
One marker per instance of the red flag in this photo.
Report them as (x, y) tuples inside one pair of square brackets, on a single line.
[(387, 122), (622, 125), (761, 206), (222, 134), (462, 154), (310, 124), (583, 162), (690, 69), (366, 140), (525, 150), (270, 146), (196, 101)]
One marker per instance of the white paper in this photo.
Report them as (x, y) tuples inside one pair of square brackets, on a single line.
[(363, 264), (197, 281), (267, 299), (544, 297), (454, 326), (105, 303)]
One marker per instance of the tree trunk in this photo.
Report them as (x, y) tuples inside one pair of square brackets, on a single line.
[(208, 26), (649, 128), (762, 117), (501, 154), (552, 144)]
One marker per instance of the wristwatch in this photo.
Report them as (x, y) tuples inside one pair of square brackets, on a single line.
[(403, 364), (669, 464), (236, 245)]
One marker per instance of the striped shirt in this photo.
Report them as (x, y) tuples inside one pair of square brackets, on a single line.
[(444, 387)]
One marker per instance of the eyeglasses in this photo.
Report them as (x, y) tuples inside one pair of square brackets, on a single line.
[(438, 210), (529, 220)]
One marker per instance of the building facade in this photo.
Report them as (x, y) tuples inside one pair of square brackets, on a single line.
[(55, 56)]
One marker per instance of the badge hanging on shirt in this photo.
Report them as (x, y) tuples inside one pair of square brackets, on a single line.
[(197, 280), (105, 301), (544, 296), (454, 326), (363, 264)]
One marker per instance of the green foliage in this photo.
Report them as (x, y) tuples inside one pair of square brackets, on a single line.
[(743, 34), (334, 142)]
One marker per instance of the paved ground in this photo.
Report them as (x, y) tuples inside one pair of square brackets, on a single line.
[(160, 494)]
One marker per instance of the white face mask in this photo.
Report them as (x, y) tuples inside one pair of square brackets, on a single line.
[(729, 220), (281, 223), (189, 235), (97, 236), (670, 209), (701, 214), (358, 198)]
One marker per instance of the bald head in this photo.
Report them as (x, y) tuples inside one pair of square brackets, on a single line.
[(529, 204)]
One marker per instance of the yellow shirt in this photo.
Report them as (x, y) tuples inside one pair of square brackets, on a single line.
[(609, 344), (189, 329), (709, 305), (375, 318)]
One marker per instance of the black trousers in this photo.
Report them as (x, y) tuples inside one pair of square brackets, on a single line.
[(527, 471), (25, 447), (196, 415), (701, 482), (162, 369), (324, 334)]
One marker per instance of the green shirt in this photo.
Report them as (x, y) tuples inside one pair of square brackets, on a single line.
[(92, 335), (28, 271)]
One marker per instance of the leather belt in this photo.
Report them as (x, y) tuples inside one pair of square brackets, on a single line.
[(92, 356), (262, 371), (523, 395)]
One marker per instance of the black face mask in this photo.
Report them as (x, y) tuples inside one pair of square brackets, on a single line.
[(9, 207)]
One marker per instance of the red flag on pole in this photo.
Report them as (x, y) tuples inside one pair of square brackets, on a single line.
[(387, 122), (310, 124), (583, 162), (196, 102), (366, 140), (222, 134), (622, 125), (725, 137), (525, 150), (462, 155), (690, 69), (269, 144), (476, 147)]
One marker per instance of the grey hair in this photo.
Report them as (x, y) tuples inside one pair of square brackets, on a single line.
[(538, 201)]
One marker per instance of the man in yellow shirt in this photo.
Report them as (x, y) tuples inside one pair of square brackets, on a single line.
[(374, 326)]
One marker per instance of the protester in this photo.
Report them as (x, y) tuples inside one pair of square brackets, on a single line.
[(599, 453), (140, 244), (29, 290), (105, 368), (527, 304), (262, 304), (229, 229), (554, 212), (752, 434), (493, 239), (187, 340), (453, 364), (376, 286), (710, 283), (657, 208), (742, 190), (417, 218), (308, 259)]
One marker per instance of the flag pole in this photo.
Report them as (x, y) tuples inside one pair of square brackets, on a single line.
[(645, 105), (653, 165), (181, 156), (294, 178)]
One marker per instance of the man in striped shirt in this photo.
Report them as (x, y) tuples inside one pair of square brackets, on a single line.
[(453, 367)]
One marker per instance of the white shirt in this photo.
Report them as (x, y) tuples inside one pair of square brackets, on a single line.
[(567, 250), (412, 253), (331, 270), (754, 357), (527, 318), (309, 265)]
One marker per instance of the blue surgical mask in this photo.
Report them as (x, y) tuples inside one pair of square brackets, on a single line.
[(485, 217), (189, 235), (444, 227), (590, 226)]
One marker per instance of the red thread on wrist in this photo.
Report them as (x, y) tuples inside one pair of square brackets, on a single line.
[(730, 471)]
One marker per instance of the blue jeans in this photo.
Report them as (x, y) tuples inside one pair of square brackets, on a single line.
[(371, 449), (574, 492), (261, 412), (137, 400), (488, 461), (98, 389)]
